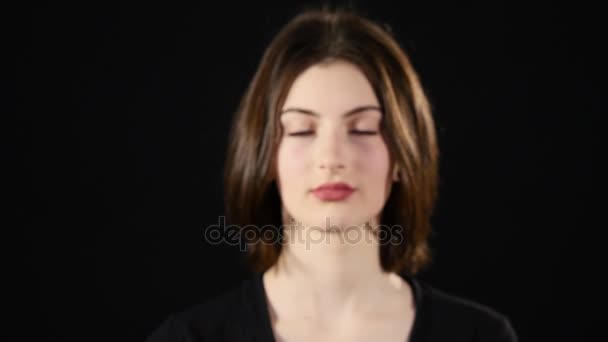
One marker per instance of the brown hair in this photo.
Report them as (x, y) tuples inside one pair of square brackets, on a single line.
[(320, 36)]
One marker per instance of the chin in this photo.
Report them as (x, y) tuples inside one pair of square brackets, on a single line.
[(342, 220)]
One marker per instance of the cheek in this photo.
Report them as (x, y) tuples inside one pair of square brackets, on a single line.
[(373, 160), (292, 160), (370, 159)]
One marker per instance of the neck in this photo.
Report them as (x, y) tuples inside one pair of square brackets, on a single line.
[(327, 273)]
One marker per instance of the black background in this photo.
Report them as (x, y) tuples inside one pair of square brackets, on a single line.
[(122, 116)]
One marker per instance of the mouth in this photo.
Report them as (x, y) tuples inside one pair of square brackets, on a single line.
[(333, 191)]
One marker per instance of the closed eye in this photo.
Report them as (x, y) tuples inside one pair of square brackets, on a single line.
[(297, 134), (364, 132), (356, 132)]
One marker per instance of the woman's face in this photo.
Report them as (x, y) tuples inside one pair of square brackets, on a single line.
[(334, 112)]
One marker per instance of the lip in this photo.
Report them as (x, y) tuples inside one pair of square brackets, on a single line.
[(333, 191)]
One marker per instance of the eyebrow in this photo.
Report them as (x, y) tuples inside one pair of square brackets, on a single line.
[(348, 113)]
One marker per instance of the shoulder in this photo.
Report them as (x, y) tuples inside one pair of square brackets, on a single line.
[(454, 315), (213, 319)]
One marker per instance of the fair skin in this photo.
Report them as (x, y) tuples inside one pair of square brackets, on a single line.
[(328, 284)]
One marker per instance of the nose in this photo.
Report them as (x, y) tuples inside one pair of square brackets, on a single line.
[(332, 166), (331, 151)]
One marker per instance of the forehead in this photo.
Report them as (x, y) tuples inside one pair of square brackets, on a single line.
[(331, 89)]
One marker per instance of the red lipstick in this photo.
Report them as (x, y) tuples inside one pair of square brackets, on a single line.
[(333, 191)]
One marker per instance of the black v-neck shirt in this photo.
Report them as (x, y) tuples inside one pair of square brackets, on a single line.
[(241, 314)]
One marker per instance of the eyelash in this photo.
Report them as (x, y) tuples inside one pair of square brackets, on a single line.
[(356, 132)]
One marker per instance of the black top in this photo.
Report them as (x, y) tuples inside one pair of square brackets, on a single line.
[(241, 314)]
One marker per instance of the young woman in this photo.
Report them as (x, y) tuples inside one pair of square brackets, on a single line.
[(332, 173)]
